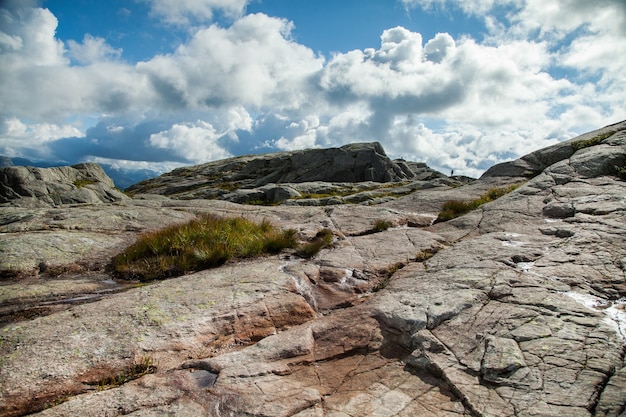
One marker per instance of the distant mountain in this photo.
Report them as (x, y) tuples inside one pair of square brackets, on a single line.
[(122, 177)]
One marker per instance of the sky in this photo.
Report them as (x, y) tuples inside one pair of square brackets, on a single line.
[(157, 84)]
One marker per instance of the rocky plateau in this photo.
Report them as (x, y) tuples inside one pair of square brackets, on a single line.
[(513, 309)]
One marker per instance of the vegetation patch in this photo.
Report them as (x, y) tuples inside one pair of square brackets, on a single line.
[(621, 171), (143, 367), (426, 254), (83, 182), (592, 141), (455, 208), (381, 225), (228, 186), (206, 242), (261, 203), (387, 276), (311, 196), (323, 239)]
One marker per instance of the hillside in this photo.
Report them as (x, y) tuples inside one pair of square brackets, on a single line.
[(277, 177), (515, 308)]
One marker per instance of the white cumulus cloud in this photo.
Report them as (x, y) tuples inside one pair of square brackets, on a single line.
[(92, 50), (541, 73), (251, 63), (193, 141)]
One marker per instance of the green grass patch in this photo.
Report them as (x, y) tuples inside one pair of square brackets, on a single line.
[(311, 196), (205, 242), (82, 182), (228, 186), (266, 203), (455, 208), (592, 141)]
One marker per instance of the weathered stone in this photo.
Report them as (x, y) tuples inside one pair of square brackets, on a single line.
[(506, 311), (559, 210), (247, 177), (79, 184), (502, 357)]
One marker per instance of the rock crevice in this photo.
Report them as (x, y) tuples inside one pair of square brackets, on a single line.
[(516, 309)]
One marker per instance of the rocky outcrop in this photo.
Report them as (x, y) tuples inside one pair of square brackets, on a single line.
[(514, 309), (268, 177), (79, 184), (536, 162)]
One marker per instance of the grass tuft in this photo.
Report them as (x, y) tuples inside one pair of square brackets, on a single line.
[(620, 171), (80, 183), (381, 226), (323, 239), (143, 367), (581, 144), (426, 254), (455, 208), (206, 242), (387, 276)]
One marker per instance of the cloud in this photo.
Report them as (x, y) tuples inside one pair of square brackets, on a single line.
[(469, 7), (398, 74), (252, 63), (201, 141), (193, 141), (15, 135), (92, 50), (38, 82), (186, 12), (459, 104), (27, 37)]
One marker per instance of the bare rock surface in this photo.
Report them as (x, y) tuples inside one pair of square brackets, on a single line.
[(79, 184), (278, 177), (514, 309)]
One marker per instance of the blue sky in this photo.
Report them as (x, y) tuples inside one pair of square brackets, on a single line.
[(458, 84)]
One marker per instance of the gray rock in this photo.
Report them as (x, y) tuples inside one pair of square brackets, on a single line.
[(559, 210), (502, 312), (79, 184), (590, 161), (268, 194), (502, 357), (353, 163), (598, 160)]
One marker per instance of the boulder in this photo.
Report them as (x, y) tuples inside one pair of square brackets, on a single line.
[(79, 184)]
